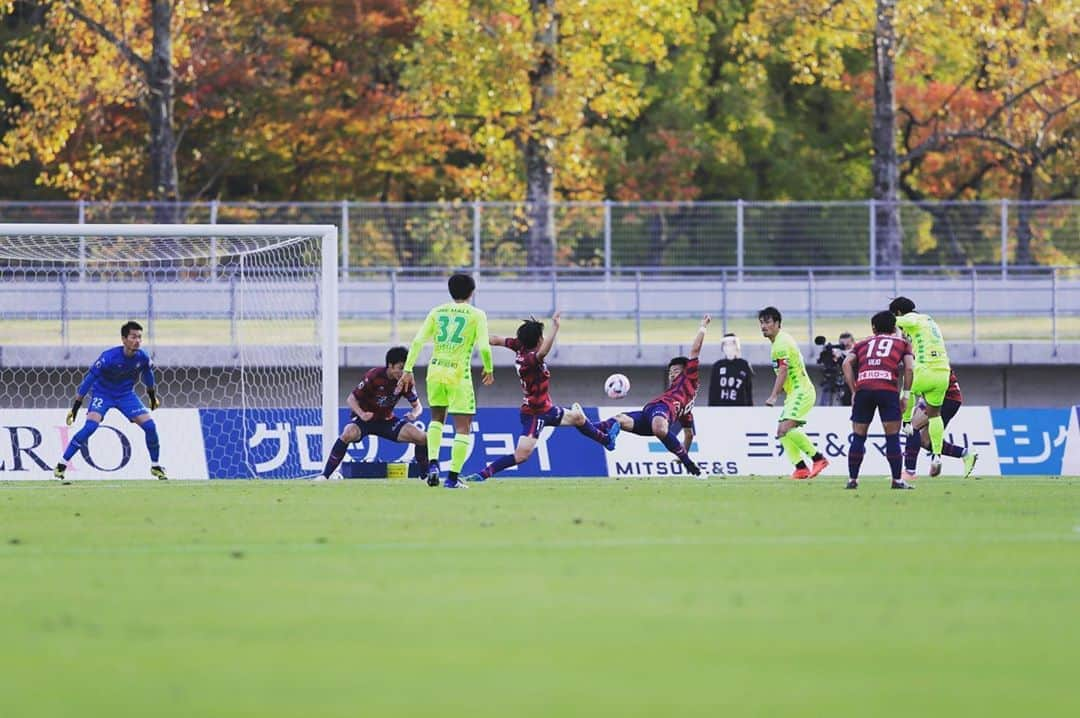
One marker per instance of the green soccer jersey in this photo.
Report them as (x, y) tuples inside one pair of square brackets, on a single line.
[(785, 352), (454, 329), (926, 339)]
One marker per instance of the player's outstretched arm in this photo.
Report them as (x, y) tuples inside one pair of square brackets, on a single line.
[(425, 332), (699, 338), (549, 340), (496, 341)]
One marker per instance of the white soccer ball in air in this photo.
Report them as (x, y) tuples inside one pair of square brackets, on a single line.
[(617, 386)]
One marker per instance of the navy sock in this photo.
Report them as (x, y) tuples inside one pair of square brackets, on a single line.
[(421, 454), (950, 449), (593, 432), (855, 455), (336, 455), (892, 454), (153, 444), (79, 440), (911, 451), (503, 462), (605, 425)]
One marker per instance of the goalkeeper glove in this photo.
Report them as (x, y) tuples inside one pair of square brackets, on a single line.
[(73, 412), (154, 403)]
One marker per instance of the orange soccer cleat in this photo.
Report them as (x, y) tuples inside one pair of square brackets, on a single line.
[(818, 467), (803, 473)]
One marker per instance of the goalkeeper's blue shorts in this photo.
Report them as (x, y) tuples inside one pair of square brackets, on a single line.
[(127, 404)]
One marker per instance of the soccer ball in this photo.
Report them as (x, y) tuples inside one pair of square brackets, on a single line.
[(617, 386)]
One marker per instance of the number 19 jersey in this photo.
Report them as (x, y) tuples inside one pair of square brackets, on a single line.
[(454, 329)]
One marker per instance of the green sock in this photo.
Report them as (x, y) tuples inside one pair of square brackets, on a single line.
[(434, 439), (791, 448), (909, 409), (802, 441), (937, 434), (459, 452)]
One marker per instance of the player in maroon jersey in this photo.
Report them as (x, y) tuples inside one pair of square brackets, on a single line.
[(664, 415), (372, 403), (878, 371), (921, 439), (537, 410)]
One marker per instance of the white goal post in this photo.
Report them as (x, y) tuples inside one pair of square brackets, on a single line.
[(240, 322)]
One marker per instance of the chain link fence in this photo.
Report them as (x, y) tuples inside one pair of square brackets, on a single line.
[(611, 237)]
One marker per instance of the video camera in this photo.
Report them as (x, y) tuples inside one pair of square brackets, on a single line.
[(831, 358)]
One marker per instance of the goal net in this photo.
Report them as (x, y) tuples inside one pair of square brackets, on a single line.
[(240, 322)]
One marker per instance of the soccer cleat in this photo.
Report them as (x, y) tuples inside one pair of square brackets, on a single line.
[(158, 473), (803, 473), (455, 484), (817, 467), (576, 407), (693, 468), (935, 464), (852, 484), (612, 433), (58, 472), (319, 477), (969, 460), (901, 484), (433, 474), (906, 429), (474, 478)]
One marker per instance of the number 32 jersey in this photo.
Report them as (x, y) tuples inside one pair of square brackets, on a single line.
[(454, 329)]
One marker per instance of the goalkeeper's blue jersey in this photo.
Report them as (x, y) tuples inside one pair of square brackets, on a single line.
[(114, 373)]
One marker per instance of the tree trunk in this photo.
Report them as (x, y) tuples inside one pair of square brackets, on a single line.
[(539, 146), (163, 170), (885, 165), (1023, 216)]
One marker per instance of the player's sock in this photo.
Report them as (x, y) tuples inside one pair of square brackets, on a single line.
[(79, 440), (855, 455), (336, 455), (458, 453), (950, 449), (153, 444), (911, 451), (605, 426), (503, 462), (802, 443), (672, 443), (937, 434), (792, 450), (434, 440), (892, 454), (908, 411), (421, 455), (593, 432)]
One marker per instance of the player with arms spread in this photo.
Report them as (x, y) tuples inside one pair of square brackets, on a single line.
[(537, 409), (453, 329), (931, 379), (878, 371), (372, 403), (664, 415), (799, 396), (111, 380), (919, 439)]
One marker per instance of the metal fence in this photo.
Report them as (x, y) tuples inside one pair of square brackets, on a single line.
[(608, 236)]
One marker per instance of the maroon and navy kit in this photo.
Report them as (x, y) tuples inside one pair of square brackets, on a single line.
[(377, 393), (676, 404), (879, 363), (537, 409)]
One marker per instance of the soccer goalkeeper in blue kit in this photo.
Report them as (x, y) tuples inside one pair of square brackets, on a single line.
[(111, 381)]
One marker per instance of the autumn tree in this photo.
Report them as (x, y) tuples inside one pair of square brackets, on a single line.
[(539, 85)]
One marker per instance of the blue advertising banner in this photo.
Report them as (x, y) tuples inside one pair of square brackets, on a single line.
[(287, 443), (1030, 441)]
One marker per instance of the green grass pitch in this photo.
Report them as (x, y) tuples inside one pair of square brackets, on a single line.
[(643, 597)]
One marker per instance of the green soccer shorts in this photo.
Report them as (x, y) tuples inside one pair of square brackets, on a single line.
[(797, 405), (458, 398), (931, 383)]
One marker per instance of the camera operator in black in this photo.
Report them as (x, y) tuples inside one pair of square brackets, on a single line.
[(835, 391)]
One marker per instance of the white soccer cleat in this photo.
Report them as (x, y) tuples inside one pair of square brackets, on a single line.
[(906, 429), (935, 464)]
